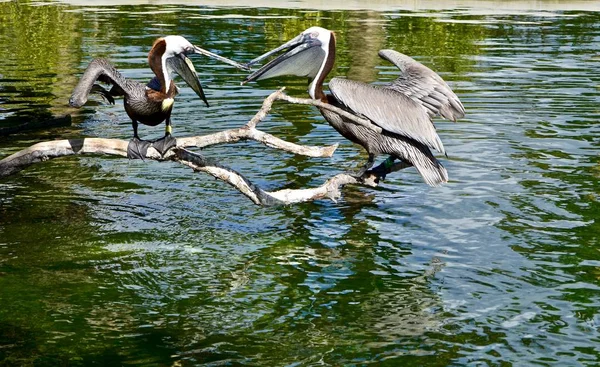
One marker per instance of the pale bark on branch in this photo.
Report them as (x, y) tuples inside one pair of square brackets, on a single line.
[(330, 189)]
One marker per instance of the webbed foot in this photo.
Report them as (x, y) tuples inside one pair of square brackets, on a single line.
[(137, 148), (164, 144)]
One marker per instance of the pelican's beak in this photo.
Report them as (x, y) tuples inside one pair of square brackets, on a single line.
[(201, 51), (184, 67), (304, 57)]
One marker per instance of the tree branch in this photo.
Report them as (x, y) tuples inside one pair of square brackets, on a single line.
[(330, 189), (250, 132), (44, 151)]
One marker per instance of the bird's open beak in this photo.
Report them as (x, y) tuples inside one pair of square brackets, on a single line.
[(288, 45), (184, 67), (201, 51), (304, 57)]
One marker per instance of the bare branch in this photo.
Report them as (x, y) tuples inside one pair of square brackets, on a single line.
[(52, 149), (245, 133), (266, 107), (330, 189), (198, 163), (249, 132)]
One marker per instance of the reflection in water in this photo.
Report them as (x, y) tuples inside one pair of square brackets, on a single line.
[(37, 68), (123, 262), (364, 40)]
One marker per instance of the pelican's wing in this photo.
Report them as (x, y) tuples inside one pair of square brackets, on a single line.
[(389, 109), (424, 86), (98, 70)]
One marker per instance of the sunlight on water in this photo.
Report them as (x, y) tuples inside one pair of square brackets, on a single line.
[(113, 262)]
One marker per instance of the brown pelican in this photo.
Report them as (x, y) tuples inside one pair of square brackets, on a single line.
[(403, 109), (149, 104)]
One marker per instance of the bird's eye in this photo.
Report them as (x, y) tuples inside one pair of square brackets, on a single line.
[(314, 35)]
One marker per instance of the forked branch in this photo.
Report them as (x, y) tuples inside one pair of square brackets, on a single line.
[(330, 189)]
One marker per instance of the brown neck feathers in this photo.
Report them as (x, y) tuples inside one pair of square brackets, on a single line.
[(155, 61), (319, 94)]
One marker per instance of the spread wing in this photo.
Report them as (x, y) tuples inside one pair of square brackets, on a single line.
[(424, 86), (392, 111), (99, 70)]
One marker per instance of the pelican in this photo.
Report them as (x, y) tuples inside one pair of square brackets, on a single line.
[(402, 109), (149, 104)]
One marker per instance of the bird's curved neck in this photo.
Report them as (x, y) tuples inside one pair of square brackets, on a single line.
[(158, 64), (316, 87)]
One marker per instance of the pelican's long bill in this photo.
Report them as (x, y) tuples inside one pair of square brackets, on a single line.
[(204, 52), (184, 67), (304, 57)]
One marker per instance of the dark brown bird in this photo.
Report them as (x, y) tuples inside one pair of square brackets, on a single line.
[(403, 109), (152, 103)]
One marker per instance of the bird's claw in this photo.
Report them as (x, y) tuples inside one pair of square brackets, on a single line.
[(357, 175), (380, 172)]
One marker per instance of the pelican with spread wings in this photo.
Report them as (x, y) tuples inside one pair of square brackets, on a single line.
[(403, 109)]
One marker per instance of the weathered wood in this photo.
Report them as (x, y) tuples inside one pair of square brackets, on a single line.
[(44, 151), (330, 189), (246, 133), (250, 132)]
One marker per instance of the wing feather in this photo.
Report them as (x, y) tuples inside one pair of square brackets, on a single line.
[(422, 84), (392, 111), (98, 70)]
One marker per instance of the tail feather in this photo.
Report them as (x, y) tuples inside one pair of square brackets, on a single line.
[(420, 156), (433, 172)]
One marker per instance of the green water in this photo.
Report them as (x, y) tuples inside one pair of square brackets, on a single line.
[(112, 262)]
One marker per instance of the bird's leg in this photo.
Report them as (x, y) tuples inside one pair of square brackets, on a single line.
[(358, 174), (134, 124), (388, 163), (386, 167), (367, 165), (168, 128), (168, 141)]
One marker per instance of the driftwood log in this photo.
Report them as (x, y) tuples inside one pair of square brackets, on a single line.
[(330, 189)]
